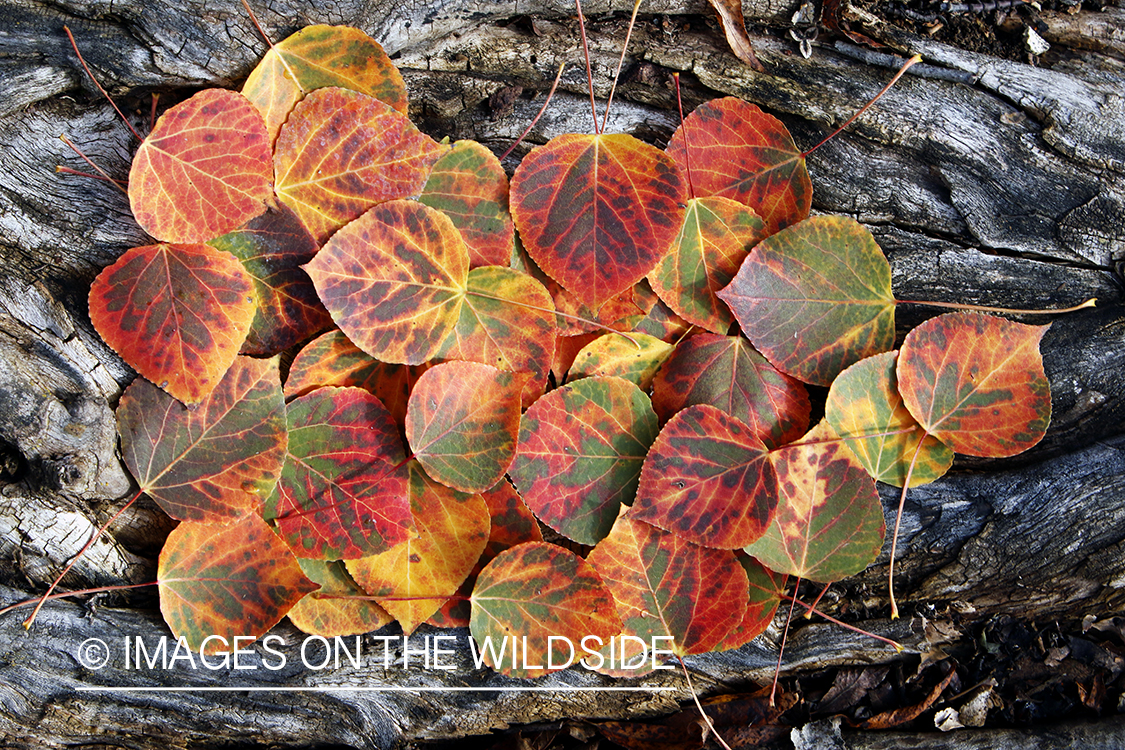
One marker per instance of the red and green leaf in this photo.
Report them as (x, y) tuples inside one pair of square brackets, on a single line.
[(635, 358), (470, 187), (531, 592), (815, 298), (318, 57), (226, 581), (666, 586), (341, 152), (204, 170), (976, 382), (339, 606), (580, 452), (462, 423), (271, 248), (865, 408), (414, 578), (715, 238), (737, 151), (216, 462), (766, 588), (176, 313), (394, 280), (597, 212), (342, 492), (726, 372), (829, 523), (709, 479)]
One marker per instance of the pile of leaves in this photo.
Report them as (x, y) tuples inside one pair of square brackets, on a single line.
[(615, 345)]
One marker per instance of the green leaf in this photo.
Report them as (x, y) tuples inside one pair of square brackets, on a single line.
[(636, 358)]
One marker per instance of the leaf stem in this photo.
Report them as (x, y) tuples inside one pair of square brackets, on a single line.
[(620, 63), (86, 67), (1004, 310), (784, 637), (813, 610), (551, 93), (898, 521), (93, 538), (684, 129), (254, 20), (706, 719), (38, 601), (901, 71), (589, 70), (117, 183), (577, 318)]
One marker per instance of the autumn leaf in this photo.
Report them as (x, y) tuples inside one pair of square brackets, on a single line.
[(229, 581), (596, 212), (829, 523), (766, 589), (976, 382), (414, 578), (865, 408), (462, 423), (341, 152), (204, 170), (708, 479), (271, 248), (815, 298), (734, 27), (737, 151), (580, 452), (339, 606), (214, 463), (342, 490), (176, 313), (317, 57), (635, 358), (530, 593)]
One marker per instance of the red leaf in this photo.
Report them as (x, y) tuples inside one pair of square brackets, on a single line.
[(976, 382), (766, 588), (226, 581), (342, 492), (708, 479), (216, 462), (176, 313), (204, 170), (737, 151), (597, 212), (341, 152)]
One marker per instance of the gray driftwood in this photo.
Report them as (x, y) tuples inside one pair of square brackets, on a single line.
[(988, 181)]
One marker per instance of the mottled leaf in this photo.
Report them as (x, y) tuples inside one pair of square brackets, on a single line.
[(726, 372), (864, 401), (470, 187), (635, 358), (394, 280), (714, 239), (226, 581), (339, 606), (204, 170), (216, 462), (529, 593), (597, 212), (271, 248), (342, 492), (829, 523), (580, 452), (976, 382), (462, 423), (815, 298), (737, 151), (663, 323), (766, 588), (341, 152), (414, 578), (709, 479), (318, 57), (176, 313), (666, 586)]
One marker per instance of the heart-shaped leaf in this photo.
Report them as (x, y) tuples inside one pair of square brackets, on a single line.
[(597, 212), (815, 298), (708, 479), (976, 382), (635, 358), (204, 170), (176, 313), (228, 581), (214, 463), (339, 606)]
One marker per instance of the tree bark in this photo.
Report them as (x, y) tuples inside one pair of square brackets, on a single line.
[(985, 180)]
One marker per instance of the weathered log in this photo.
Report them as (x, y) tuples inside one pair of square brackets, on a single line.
[(998, 183)]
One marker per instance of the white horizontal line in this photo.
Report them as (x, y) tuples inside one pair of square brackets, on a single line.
[(349, 689)]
